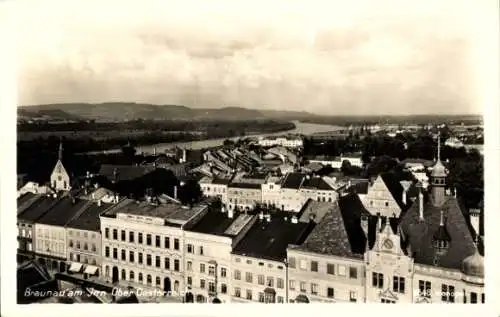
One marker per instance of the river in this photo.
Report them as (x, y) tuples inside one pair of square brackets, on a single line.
[(300, 128)]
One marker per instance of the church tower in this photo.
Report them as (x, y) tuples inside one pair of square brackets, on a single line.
[(59, 179), (438, 179)]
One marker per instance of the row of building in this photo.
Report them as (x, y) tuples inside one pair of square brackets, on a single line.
[(390, 245)]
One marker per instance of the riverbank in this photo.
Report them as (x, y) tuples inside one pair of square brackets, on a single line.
[(301, 128)]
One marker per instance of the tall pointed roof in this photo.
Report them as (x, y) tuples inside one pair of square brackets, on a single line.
[(60, 155)]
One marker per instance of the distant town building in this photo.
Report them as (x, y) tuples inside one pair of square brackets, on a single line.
[(281, 141)]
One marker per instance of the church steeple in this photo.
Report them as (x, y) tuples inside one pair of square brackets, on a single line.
[(438, 178), (60, 156)]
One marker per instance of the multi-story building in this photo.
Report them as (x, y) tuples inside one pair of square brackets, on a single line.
[(84, 239), (328, 266), (271, 192), (208, 244), (30, 207), (243, 196), (259, 260), (215, 187), (386, 197), (50, 230), (336, 162), (317, 188), (143, 244), (292, 198), (281, 141)]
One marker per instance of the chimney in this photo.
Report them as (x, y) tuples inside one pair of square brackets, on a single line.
[(421, 205), (294, 219), (364, 225), (230, 213), (175, 192)]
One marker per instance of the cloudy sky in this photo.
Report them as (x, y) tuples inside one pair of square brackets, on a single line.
[(328, 57)]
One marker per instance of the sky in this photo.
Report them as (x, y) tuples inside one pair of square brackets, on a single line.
[(325, 57)]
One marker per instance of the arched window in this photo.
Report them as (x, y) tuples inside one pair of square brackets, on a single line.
[(140, 277), (131, 276), (85, 246), (70, 243), (158, 281), (148, 279), (124, 274)]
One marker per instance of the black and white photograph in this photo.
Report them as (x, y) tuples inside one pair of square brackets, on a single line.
[(217, 152)]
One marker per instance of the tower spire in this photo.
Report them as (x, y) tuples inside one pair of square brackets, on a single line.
[(439, 146), (441, 222), (60, 150)]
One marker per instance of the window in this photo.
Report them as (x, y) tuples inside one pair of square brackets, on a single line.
[(303, 264), (237, 275), (424, 288), (167, 243), (211, 270), (189, 266), (398, 284), (94, 247), (261, 297), (140, 257), (248, 277), (447, 293), (148, 239), (190, 248), (223, 272), (291, 284), (148, 260), (123, 235), (202, 283), (115, 253), (249, 294), (139, 237), (377, 280), (352, 297), (157, 261), (314, 289), (158, 282), (149, 281), (330, 269), (473, 298), (70, 243), (167, 264), (330, 292), (482, 298), (237, 260), (353, 272), (314, 266), (202, 268), (223, 288), (189, 281), (270, 281), (387, 301), (260, 279), (237, 292), (279, 282), (140, 277), (78, 244), (291, 263), (157, 241), (211, 287), (303, 286), (261, 263), (115, 234), (249, 261), (176, 244), (131, 275), (131, 256), (78, 258), (387, 204), (176, 265), (341, 269), (124, 255), (131, 236), (124, 275), (280, 299)]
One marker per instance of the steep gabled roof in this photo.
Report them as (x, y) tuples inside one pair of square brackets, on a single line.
[(395, 188)]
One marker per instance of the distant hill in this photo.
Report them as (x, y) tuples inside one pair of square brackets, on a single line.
[(46, 114), (122, 111)]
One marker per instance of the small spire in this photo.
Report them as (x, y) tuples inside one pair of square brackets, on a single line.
[(60, 150), (441, 222)]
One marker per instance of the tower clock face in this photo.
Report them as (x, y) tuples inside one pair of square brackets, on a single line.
[(388, 244)]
